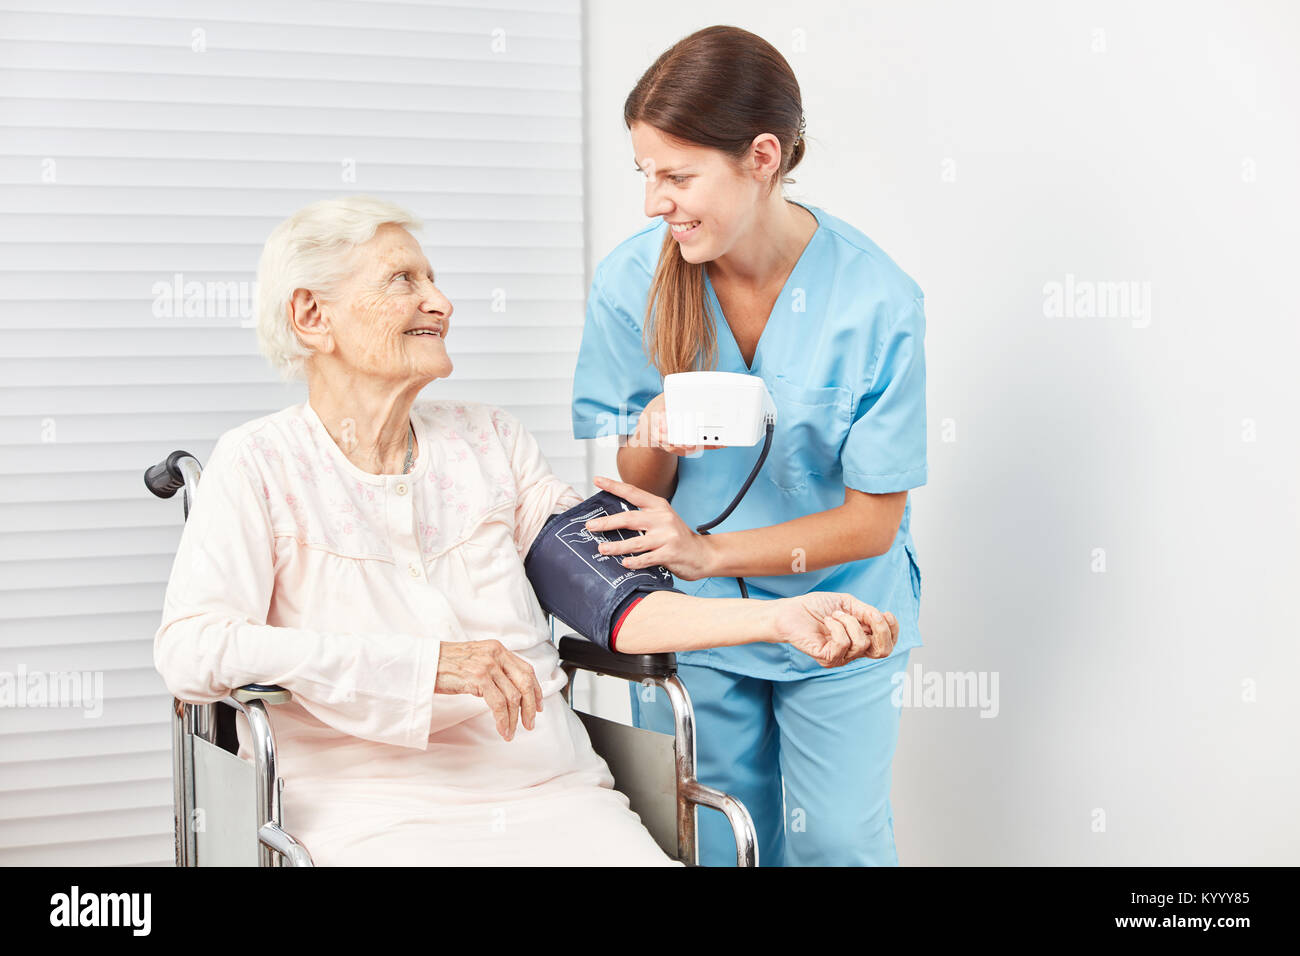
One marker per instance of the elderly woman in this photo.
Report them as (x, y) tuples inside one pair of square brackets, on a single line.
[(366, 551)]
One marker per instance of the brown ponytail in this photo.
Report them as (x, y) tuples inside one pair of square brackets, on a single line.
[(720, 87)]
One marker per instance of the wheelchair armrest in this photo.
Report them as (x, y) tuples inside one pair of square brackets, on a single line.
[(583, 654), (271, 693)]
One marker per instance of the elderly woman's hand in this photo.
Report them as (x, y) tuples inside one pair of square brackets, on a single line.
[(835, 628), (486, 669)]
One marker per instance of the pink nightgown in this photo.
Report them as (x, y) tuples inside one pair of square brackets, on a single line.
[(297, 568)]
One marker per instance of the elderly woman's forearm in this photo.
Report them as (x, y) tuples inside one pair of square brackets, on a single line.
[(377, 686), (670, 621)]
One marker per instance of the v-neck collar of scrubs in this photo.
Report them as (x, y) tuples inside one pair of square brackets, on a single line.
[(720, 319)]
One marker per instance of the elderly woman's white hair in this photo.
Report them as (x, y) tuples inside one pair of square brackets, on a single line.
[(309, 251)]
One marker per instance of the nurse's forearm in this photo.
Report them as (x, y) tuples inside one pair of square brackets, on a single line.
[(669, 621), (850, 532), (650, 469)]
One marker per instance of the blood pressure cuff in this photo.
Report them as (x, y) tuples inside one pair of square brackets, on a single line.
[(585, 589)]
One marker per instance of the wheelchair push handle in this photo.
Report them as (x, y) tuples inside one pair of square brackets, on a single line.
[(166, 478)]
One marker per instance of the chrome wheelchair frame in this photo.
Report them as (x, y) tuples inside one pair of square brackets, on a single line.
[(655, 771)]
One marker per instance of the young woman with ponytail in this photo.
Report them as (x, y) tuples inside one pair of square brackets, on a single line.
[(733, 276)]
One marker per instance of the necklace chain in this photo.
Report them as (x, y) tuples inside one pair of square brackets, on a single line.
[(410, 444)]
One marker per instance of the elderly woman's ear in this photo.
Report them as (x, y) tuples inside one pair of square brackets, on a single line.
[(309, 322)]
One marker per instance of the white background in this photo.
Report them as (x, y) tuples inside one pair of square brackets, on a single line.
[(1120, 692)]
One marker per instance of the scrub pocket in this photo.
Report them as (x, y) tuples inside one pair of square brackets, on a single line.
[(811, 425), (915, 569)]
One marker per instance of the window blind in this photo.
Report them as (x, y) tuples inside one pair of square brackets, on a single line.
[(146, 151)]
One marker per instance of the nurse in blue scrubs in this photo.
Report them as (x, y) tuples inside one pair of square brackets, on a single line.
[(732, 276)]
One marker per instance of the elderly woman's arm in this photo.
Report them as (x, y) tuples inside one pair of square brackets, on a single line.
[(214, 636), (831, 627)]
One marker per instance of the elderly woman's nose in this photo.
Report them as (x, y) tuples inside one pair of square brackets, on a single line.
[(434, 301)]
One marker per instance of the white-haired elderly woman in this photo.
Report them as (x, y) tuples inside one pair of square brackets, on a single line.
[(365, 551)]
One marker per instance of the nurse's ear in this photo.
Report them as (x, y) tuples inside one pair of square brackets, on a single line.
[(764, 158)]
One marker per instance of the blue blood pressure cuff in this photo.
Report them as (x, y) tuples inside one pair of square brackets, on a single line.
[(573, 581)]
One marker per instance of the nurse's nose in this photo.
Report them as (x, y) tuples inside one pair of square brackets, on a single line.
[(656, 204)]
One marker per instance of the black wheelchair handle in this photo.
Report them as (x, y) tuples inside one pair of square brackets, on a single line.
[(165, 479), (589, 656)]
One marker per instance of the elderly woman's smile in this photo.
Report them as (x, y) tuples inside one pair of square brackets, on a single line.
[(391, 291)]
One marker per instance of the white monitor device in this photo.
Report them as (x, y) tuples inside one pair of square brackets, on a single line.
[(716, 408)]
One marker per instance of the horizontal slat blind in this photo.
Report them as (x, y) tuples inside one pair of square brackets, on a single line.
[(149, 144)]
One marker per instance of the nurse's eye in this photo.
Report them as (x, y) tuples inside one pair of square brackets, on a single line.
[(679, 180)]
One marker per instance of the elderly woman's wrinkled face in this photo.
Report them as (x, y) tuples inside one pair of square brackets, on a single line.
[(388, 319)]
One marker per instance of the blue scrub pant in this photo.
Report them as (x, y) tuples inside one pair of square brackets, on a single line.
[(830, 737)]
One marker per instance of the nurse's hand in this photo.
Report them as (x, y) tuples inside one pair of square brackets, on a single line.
[(652, 432), (502, 678), (834, 628), (665, 538)]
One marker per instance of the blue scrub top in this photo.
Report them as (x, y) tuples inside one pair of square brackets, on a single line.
[(843, 358)]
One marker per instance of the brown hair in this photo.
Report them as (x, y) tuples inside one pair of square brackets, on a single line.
[(720, 87)]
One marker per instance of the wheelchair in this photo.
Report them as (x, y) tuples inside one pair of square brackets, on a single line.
[(227, 809)]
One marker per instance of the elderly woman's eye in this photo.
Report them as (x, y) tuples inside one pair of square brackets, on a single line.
[(402, 275)]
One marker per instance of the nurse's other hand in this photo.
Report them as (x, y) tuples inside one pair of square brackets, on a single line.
[(502, 678), (652, 432), (665, 538), (834, 628)]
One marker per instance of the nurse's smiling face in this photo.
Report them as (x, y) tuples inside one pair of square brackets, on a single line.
[(707, 200)]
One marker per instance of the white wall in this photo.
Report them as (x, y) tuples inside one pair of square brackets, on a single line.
[(1147, 712)]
